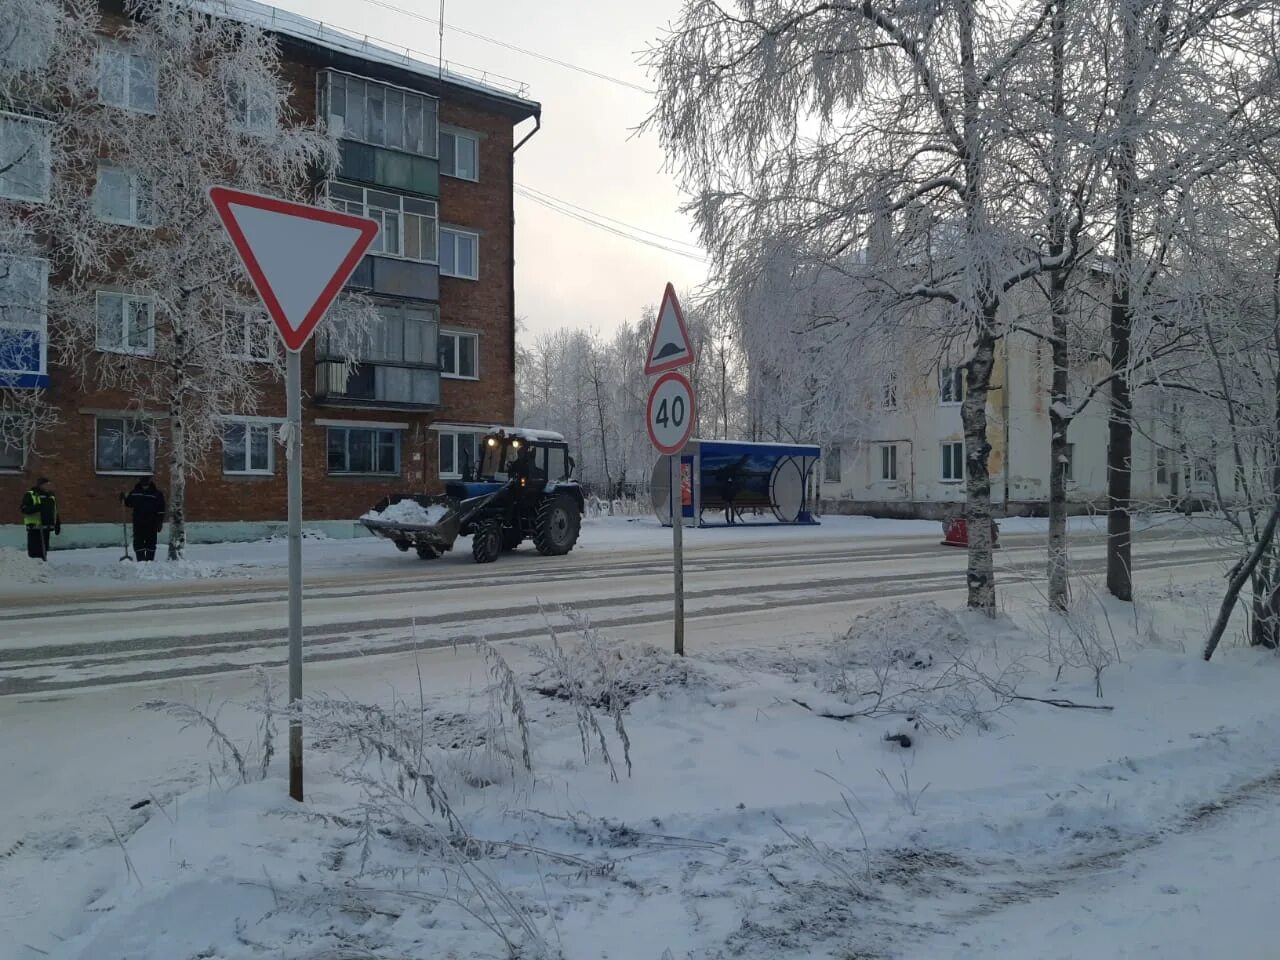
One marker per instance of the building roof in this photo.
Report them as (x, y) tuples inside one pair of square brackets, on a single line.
[(491, 86)]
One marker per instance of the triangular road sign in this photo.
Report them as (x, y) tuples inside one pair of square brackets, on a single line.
[(298, 257), (670, 347)]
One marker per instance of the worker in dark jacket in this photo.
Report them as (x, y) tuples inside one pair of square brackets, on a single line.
[(147, 503), (40, 517)]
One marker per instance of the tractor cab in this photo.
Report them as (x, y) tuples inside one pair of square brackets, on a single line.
[(534, 458)]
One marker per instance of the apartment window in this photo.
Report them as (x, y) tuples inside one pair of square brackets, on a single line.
[(124, 445), (1203, 470), (459, 155), (126, 79), (13, 444), (24, 284), (249, 335), (121, 196), (889, 398), (1162, 465), (459, 453), (126, 323), (247, 448), (399, 363), (953, 461), (1069, 462), (951, 384), (889, 461), (459, 354), (364, 451), (24, 158), (459, 253), (831, 464), (407, 224), (379, 114), (251, 107)]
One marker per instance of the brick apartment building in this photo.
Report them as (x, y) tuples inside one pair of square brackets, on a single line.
[(442, 279)]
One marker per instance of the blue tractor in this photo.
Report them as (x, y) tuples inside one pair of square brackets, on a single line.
[(521, 488)]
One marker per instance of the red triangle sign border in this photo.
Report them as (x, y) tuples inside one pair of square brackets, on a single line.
[(223, 198), (650, 367)]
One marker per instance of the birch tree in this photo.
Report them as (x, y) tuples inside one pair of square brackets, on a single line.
[(155, 304)]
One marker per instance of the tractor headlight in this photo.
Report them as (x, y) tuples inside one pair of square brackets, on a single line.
[(515, 444), (493, 442)]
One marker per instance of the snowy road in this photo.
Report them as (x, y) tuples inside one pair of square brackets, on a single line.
[(178, 630)]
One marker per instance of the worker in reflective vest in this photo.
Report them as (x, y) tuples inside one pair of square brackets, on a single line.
[(40, 517)]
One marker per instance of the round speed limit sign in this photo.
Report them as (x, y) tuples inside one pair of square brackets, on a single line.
[(670, 413)]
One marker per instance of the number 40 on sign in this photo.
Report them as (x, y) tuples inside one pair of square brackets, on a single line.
[(671, 413)]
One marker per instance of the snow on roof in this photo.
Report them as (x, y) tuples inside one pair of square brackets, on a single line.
[(295, 25), (528, 433)]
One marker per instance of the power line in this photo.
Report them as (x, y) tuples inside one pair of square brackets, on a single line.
[(599, 225), (622, 223), (511, 46)]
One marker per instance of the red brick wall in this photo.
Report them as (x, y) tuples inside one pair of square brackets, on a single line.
[(484, 306)]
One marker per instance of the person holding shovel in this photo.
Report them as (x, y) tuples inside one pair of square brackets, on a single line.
[(147, 503), (40, 517)]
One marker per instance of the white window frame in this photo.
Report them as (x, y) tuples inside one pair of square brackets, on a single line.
[(137, 187), (457, 133), (453, 433), (237, 339), (889, 394), (888, 462), (124, 418), (109, 48), (1069, 468), (954, 376), (347, 132), (374, 429), (456, 336), (1162, 466), (832, 464), (365, 209), (250, 110), (39, 323), (1202, 471), (41, 141), (249, 424), (452, 235), (942, 471), (23, 452), (125, 300)]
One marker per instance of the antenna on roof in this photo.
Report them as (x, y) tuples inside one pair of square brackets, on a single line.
[(440, 58)]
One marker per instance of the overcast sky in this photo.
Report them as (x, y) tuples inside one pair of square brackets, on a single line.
[(567, 273)]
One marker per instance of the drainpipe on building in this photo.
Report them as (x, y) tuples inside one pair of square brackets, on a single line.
[(511, 171)]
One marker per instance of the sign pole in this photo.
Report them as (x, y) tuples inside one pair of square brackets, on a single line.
[(293, 388), (677, 543)]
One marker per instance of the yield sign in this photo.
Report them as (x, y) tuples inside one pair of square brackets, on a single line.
[(671, 346), (298, 257)]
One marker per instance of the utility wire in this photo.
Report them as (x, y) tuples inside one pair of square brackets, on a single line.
[(599, 225), (601, 216), (511, 46)]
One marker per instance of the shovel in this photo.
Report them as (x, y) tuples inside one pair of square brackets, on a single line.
[(124, 533)]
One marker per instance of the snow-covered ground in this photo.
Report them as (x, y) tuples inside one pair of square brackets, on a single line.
[(764, 813)]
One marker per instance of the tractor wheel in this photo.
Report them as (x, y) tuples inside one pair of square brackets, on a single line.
[(511, 538), (556, 528), (486, 543), (426, 552), (402, 545)]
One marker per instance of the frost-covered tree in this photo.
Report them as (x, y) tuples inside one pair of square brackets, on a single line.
[(154, 303)]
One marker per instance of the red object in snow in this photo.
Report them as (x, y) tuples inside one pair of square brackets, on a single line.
[(957, 533)]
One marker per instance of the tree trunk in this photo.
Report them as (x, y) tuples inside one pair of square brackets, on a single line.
[(973, 413), (177, 482)]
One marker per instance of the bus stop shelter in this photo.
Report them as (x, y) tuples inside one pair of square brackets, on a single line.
[(730, 482)]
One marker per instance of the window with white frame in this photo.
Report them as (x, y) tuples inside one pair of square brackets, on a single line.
[(126, 78), (459, 354), (122, 196), (1162, 465), (888, 461), (13, 444), (124, 445), (24, 293), (459, 453), (248, 335), (24, 158), (126, 323), (250, 107), (953, 461), (247, 447), (950, 384), (380, 114), (459, 253), (831, 464), (1203, 470), (459, 154), (407, 224), (889, 398), (359, 450), (1069, 462)]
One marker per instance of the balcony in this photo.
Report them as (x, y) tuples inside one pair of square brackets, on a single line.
[(385, 386), (390, 277), (399, 362)]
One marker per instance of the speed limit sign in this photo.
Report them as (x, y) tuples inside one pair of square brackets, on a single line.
[(671, 412)]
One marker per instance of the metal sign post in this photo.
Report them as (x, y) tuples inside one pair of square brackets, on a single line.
[(670, 417), (298, 258)]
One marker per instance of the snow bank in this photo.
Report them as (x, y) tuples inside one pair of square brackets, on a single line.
[(409, 512), (906, 631), (17, 567)]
